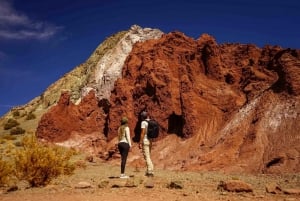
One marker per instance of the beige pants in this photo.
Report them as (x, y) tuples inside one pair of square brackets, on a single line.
[(147, 152)]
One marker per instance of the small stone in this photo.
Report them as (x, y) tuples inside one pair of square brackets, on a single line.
[(103, 184), (131, 183), (291, 191), (12, 188), (149, 184), (273, 188), (235, 186), (83, 185), (176, 185)]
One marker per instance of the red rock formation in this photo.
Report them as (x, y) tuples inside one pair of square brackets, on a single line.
[(229, 107), (186, 82), (61, 120)]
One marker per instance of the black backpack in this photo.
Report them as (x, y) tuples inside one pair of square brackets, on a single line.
[(153, 129)]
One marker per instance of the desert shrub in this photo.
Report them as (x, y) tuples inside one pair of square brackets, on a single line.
[(9, 150), (17, 130), (10, 124), (18, 144), (38, 164), (8, 137), (6, 171), (30, 116), (16, 113), (2, 141)]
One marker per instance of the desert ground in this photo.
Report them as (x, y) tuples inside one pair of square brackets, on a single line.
[(100, 181)]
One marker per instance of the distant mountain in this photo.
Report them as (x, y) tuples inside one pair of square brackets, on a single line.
[(229, 107)]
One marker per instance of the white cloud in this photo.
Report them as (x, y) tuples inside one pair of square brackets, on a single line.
[(45, 32), (9, 16), (17, 25)]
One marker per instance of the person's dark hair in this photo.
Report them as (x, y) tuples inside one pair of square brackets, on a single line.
[(124, 121), (144, 115)]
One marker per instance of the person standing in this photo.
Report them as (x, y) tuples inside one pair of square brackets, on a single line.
[(146, 144), (124, 144)]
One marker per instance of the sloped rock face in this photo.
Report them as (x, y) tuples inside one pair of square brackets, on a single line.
[(65, 118), (228, 107), (97, 74), (223, 99)]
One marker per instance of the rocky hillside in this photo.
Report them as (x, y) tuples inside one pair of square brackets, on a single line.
[(229, 107)]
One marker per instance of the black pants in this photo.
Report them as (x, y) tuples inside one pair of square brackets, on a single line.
[(124, 149)]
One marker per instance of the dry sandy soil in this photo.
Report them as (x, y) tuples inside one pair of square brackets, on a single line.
[(99, 181)]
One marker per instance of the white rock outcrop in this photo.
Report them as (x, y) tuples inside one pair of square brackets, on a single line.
[(109, 67)]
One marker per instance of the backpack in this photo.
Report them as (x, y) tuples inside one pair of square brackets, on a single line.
[(153, 129)]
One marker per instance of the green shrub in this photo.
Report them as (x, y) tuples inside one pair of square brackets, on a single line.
[(38, 164), (30, 116), (17, 130), (10, 124)]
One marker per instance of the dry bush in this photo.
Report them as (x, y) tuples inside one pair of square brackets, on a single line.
[(6, 171), (38, 164), (30, 116), (10, 124), (7, 137), (17, 131), (18, 144), (16, 113)]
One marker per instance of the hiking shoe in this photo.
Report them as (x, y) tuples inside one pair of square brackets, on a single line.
[(123, 176)]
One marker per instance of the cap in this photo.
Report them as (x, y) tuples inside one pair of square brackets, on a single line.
[(144, 114)]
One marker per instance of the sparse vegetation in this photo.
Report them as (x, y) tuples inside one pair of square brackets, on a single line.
[(6, 171), (25, 159), (6, 137), (10, 124), (38, 164), (16, 113), (30, 116), (18, 144), (17, 131)]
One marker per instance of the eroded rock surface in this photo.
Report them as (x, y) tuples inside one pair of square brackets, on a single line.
[(231, 107)]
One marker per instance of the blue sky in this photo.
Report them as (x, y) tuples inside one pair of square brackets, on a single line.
[(40, 41)]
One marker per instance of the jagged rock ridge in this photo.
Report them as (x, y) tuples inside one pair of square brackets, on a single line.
[(237, 104), (231, 107)]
